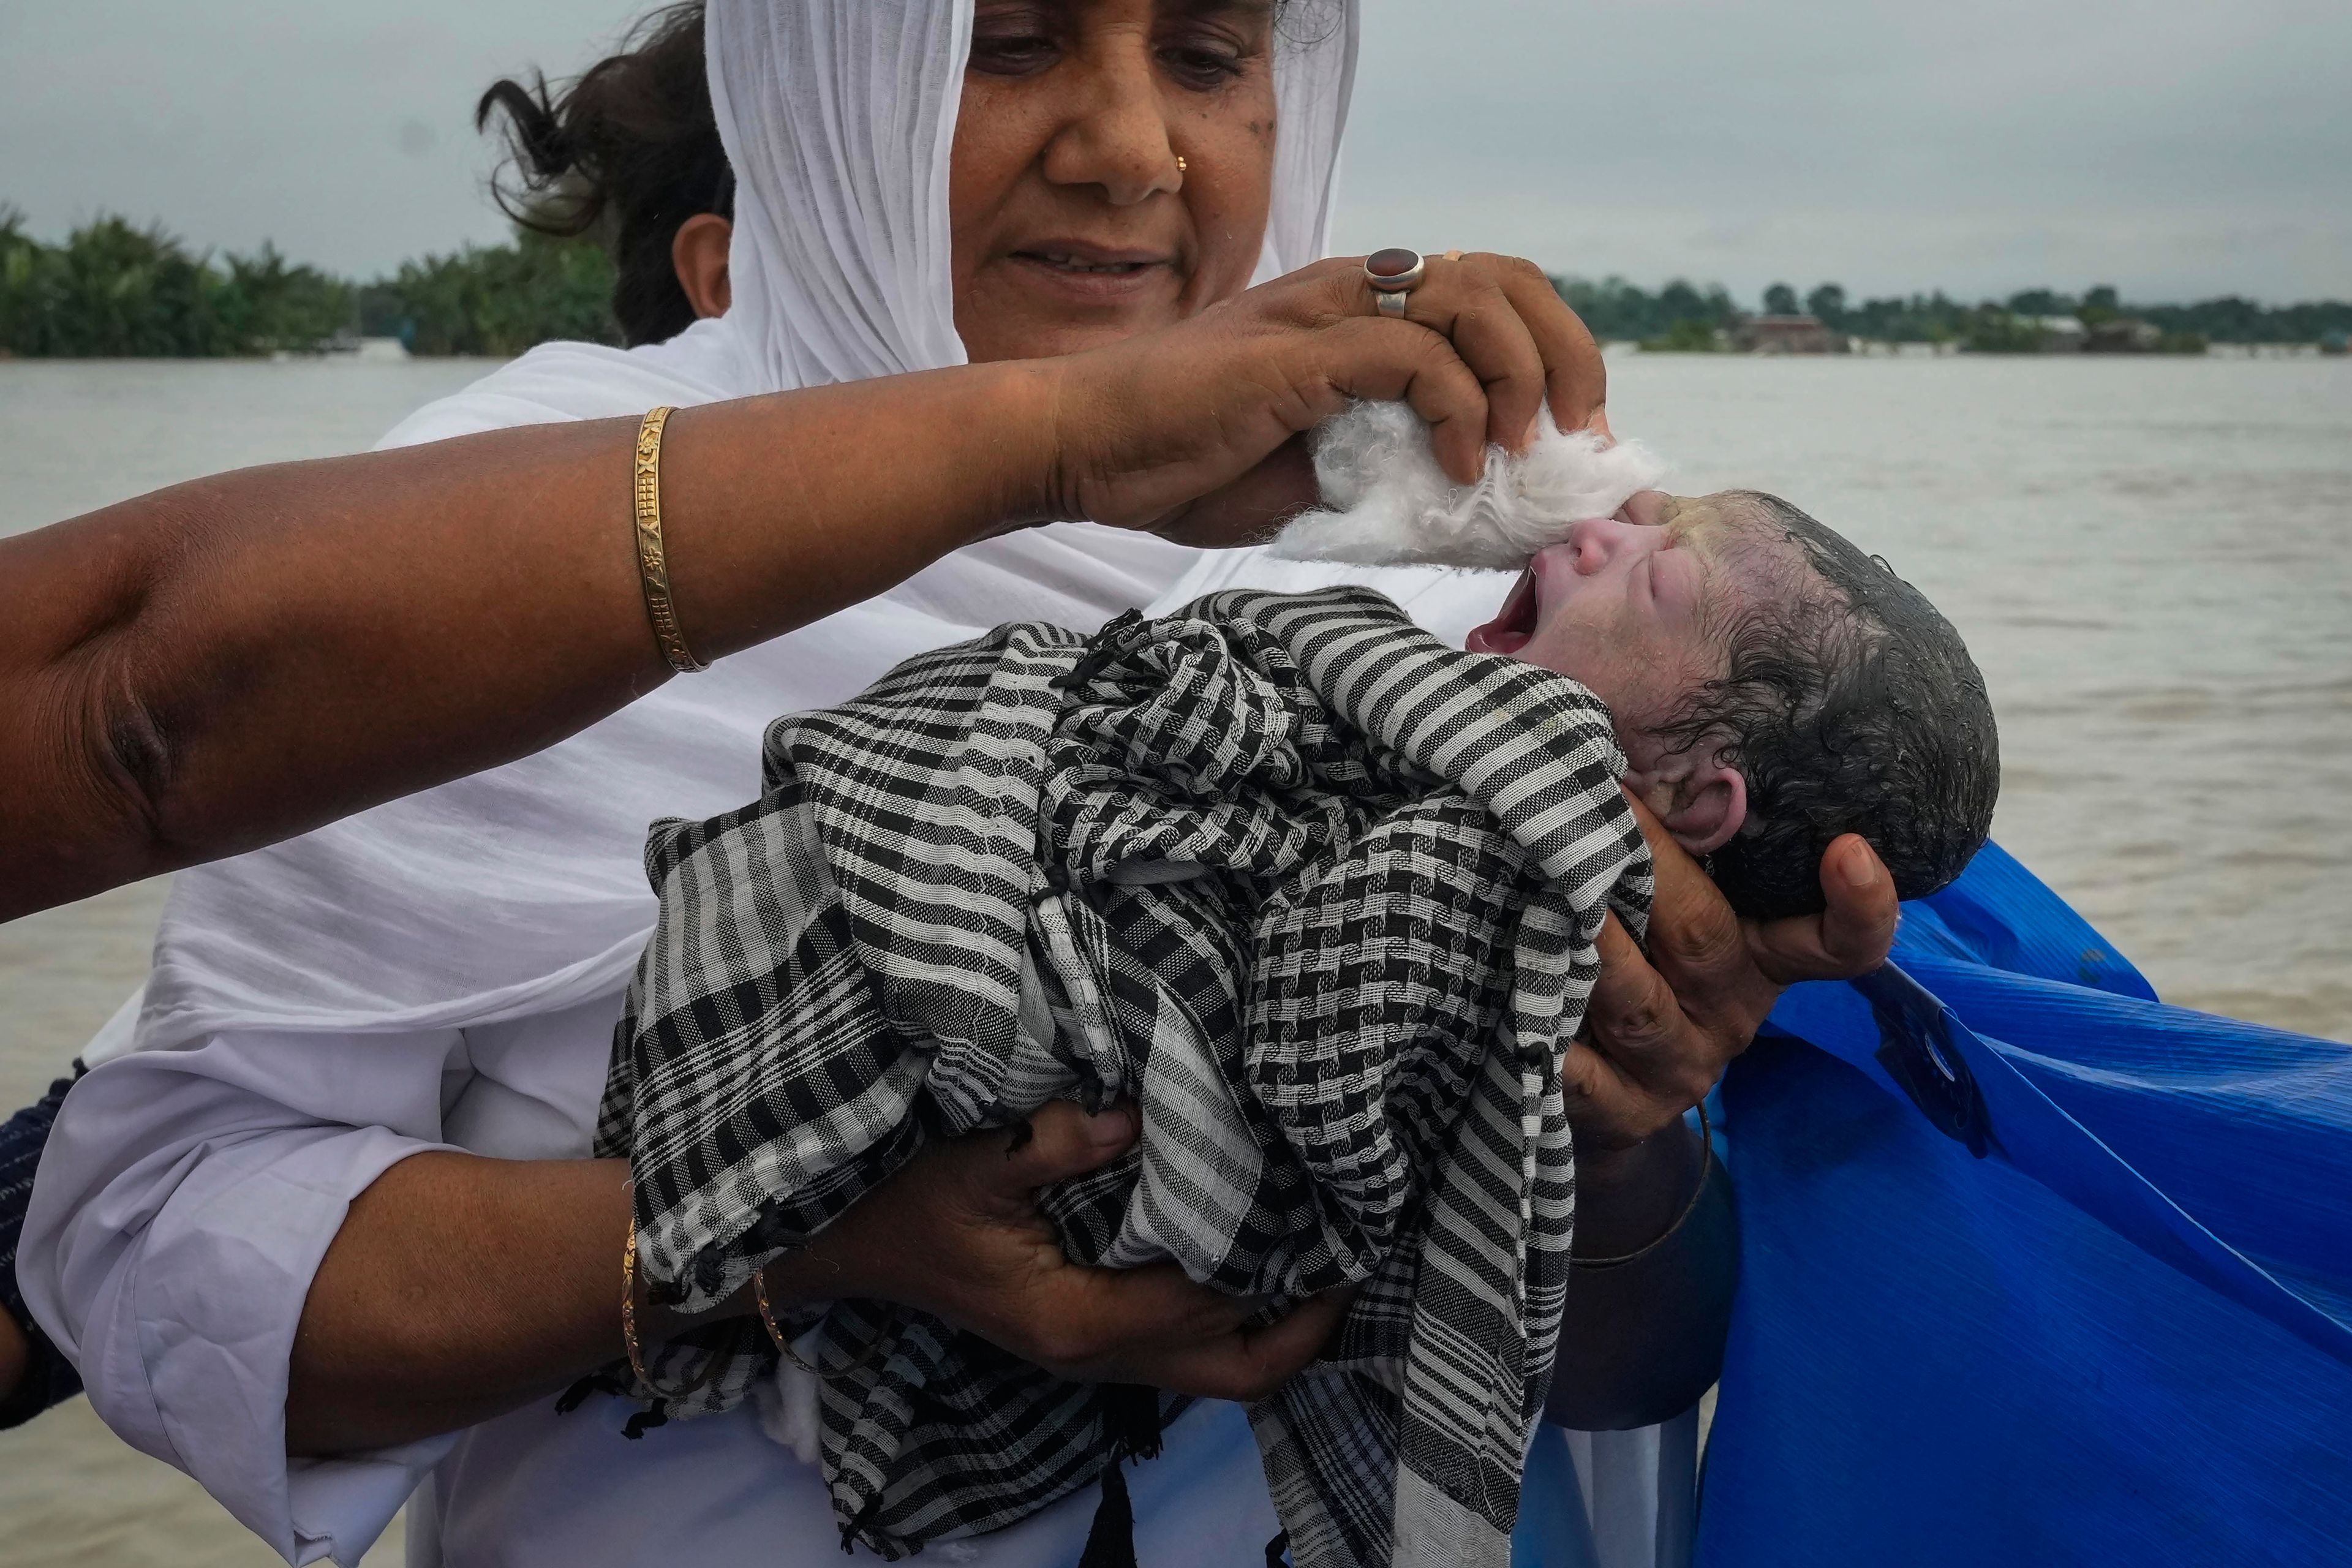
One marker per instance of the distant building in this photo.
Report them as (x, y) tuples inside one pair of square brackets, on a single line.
[(2005, 334), (2061, 334), (2124, 335), (1788, 335)]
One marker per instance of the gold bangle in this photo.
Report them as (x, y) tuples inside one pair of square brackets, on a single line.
[(768, 1317), (629, 1305), (783, 1346), (653, 568)]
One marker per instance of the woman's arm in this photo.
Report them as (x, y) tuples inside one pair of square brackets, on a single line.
[(205, 668), (1640, 1342), (202, 669), (459, 1287)]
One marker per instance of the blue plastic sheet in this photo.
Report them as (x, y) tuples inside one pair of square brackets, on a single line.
[(2035, 1269)]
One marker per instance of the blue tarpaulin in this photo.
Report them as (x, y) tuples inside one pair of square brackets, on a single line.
[(2034, 1270)]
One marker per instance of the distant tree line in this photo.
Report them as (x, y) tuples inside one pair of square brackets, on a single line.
[(1683, 315), (494, 298), (112, 289), (115, 290)]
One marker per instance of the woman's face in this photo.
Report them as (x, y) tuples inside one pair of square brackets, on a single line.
[(1073, 223)]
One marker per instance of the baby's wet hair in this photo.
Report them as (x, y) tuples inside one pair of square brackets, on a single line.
[(1850, 705)]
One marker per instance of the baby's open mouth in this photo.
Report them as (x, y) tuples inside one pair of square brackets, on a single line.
[(1514, 624)]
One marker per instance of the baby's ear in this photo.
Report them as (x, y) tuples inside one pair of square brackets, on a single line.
[(1707, 807)]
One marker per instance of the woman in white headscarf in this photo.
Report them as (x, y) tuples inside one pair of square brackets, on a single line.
[(335, 1205)]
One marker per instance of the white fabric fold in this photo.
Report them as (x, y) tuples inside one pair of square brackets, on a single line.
[(838, 121), (182, 1211)]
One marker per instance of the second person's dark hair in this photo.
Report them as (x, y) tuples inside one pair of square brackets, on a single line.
[(624, 154)]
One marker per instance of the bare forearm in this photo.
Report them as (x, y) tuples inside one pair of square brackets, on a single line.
[(1640, 1342), (205, 668), (460, 1287)]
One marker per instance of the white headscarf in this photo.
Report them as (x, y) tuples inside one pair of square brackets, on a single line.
[(521, 890)]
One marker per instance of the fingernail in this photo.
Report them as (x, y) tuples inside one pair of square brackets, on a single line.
[(1861, 871), (1110, 1128)]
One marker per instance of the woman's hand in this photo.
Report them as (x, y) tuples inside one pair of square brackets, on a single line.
[(957, 1234), (1194, 432), (1660, 1028)]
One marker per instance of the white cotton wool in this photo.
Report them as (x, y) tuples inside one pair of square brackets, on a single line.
[(1386, 502), (787, 1404)]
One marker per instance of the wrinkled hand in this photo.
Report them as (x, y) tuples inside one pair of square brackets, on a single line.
[(1196, 431), (957, 1234), (1660, 1028)]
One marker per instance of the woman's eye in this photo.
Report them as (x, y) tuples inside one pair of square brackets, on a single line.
[(1011, 54), (1199, 66)]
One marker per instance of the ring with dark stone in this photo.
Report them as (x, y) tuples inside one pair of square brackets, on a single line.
[(1395, 269), (1392, 274)]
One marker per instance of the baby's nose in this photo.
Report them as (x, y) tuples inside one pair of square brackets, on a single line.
[(1595, 542)]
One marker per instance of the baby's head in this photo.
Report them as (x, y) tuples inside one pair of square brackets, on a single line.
[(1773, 688)]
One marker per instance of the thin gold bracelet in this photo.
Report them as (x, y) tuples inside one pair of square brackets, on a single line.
[(768, 1317), (1705, 1167), (783, 1346), (652, 566), (629, 1306)]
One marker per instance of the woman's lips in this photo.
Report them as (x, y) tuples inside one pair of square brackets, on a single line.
[(1514, 624), (1093, 272)]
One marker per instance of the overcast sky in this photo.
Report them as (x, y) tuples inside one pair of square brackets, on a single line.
[(2176, 148)]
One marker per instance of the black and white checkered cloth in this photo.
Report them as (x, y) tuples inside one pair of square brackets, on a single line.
[(1320, 892)]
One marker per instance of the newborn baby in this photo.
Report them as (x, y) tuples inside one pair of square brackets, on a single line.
[(1772, 686)]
